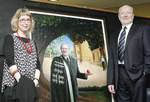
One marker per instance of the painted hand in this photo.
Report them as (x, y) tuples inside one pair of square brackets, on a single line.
[(88, 72)]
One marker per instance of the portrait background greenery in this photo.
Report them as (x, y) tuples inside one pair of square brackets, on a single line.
[(80, 30)]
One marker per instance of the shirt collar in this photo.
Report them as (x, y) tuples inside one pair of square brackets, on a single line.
[(128, 26), (65, 57)]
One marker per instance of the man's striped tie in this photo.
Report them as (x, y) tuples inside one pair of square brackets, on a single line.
[(121, 44)]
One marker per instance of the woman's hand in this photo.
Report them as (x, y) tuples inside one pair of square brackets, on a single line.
[(36, 82), (17, 76)]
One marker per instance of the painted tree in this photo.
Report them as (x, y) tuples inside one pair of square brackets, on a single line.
[(48, 28)]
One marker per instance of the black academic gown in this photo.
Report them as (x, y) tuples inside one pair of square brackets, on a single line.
[(59, 82)]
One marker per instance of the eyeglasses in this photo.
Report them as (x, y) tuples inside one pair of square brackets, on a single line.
[(25, 20)]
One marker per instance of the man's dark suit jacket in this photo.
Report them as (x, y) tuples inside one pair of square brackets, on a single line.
[(136, 57)]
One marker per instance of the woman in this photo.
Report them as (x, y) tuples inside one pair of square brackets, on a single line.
[(21, 68)]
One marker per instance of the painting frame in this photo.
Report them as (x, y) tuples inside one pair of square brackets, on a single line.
[(57, 12)]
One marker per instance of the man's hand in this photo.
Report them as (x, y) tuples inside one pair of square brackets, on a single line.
[(111, 89)]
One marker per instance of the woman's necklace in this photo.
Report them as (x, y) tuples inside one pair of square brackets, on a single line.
[(29, 48)]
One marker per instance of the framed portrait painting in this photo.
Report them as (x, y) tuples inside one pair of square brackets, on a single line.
[(87, 41)]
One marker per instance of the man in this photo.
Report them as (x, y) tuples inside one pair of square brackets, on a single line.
[(129, 59), (64, 71)]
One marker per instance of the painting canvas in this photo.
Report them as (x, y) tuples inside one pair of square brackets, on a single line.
[(86, 38)]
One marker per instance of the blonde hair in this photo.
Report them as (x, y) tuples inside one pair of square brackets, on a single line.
[(21, 12)]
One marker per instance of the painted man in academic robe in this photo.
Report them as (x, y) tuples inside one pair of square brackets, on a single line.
[(64, 71)]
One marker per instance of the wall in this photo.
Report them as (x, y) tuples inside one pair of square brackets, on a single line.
[(141, 10), (7, 9)]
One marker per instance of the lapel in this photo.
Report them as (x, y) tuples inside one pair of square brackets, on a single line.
[(69, 61), (116, 42), (130, 35), (70, 65)]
